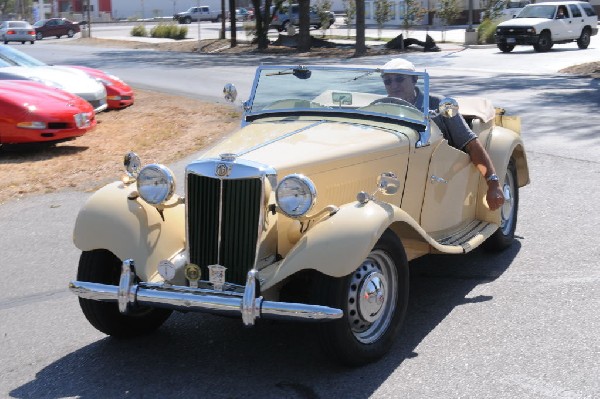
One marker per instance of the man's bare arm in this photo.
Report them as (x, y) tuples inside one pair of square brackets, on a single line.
[(482, 161)]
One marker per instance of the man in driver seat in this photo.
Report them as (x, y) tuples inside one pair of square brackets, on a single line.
[(454, 129)]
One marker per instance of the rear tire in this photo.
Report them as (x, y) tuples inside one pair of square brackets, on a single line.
[(70, 33), (544, 42), (374, 300), (584, 40), (506, 48), (102, 266), (505, 235)]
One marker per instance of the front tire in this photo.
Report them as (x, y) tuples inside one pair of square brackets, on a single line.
[(39, 36), (584, 40), (544, 42), (504, 236), (374, 300), (102, 266), (506, 48), (187, 20)]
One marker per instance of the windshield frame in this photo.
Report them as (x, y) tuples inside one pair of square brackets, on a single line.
[(418, 124)]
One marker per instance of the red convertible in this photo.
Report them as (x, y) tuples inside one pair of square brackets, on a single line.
[(118, 93), (32, 112)]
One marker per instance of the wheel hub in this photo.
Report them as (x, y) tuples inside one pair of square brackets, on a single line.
[(506, 210), (371, 296)]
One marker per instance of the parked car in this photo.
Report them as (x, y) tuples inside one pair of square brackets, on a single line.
[(282, 18), (194, 14), (310, 212), (118, 93), (32, 112), (241, 14), (55, 27), (17, 31), (541, 25), (70, 79)]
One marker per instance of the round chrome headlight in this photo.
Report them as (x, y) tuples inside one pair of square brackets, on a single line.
[(155, 184), (295, 195)]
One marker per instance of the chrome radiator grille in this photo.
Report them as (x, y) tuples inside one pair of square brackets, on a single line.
[(223, 217)]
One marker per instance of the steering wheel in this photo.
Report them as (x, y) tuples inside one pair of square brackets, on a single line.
[(393, 100)]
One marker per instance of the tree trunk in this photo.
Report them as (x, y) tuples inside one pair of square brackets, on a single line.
[(360, 48), (262, 22), (232, 23), (304, 23)]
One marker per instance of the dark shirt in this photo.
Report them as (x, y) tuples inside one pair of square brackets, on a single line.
[(454, 129)]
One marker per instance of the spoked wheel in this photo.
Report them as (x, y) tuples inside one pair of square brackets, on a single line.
[(101, 266), (39, 36), (505, 234), (374, 300)]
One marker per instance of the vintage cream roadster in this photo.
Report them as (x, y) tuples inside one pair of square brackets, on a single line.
[(310, 212)]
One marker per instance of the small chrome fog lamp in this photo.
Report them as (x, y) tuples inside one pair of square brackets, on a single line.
[(132, 164), (230, 92), (388, 183)]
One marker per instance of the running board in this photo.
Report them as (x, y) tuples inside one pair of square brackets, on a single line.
[(468, 237)]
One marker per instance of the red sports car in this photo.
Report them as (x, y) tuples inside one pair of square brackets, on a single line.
[(118, 93), (33, 112)]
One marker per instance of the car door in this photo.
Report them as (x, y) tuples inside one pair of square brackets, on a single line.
[(561, 27), (450, 199), (577, 21)]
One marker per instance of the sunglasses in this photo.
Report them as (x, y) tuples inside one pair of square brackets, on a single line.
[(398, 79)]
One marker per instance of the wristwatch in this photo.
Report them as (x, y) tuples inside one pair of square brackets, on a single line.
[(492, 177)]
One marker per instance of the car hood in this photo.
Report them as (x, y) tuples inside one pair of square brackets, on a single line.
[(68, 79), (523, 22), (26, 93), (306, 146)]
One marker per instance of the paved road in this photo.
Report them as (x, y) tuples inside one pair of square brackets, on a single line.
[(523, 323)]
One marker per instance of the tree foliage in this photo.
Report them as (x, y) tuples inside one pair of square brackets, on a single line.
[(447, 11), (21, 9), (492, 9), (413, 13), (383, 13), (350, 11), (323, 7)]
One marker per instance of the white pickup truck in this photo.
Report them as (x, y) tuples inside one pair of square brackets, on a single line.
[(545, 24), (194, 14)]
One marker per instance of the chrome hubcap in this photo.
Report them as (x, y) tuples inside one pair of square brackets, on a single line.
[(507, 209), (372, 297)]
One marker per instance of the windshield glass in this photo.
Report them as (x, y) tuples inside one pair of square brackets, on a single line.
[(530, 11), (319, 89), (17, 58), (18, 24), (40, 23)]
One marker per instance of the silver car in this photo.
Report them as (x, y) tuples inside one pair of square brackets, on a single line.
[(17, 31)]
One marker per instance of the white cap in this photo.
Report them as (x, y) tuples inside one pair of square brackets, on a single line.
[(399, 63)]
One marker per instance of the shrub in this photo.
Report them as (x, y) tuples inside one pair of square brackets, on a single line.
[(486, 32), (170, 31), (139, 30)]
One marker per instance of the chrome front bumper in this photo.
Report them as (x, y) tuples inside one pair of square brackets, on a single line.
[(129, 295)]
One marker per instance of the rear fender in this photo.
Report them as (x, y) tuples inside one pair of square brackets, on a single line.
[(338, 245), (130, 228)]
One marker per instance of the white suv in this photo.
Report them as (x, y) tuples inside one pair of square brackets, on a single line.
[(545, 24)]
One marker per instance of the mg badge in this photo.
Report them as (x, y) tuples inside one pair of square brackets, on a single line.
[(222, 170), (216, 275)]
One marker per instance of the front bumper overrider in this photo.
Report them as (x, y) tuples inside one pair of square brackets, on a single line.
[(161, 295)]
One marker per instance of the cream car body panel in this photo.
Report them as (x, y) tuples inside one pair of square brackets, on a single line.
[(130, 228)]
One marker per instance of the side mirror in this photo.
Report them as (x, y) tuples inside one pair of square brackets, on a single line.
[(230, 92), (448, 107)]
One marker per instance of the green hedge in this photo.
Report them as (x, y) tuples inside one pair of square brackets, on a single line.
[(486, 31), (139, 30), (170, 31)]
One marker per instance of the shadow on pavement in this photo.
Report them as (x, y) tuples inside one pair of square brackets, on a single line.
[(197, 355)]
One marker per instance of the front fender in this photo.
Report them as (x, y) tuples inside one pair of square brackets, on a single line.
[(130, 228), (338, 245)]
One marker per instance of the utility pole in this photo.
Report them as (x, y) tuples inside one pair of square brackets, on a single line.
[(89, 19)]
